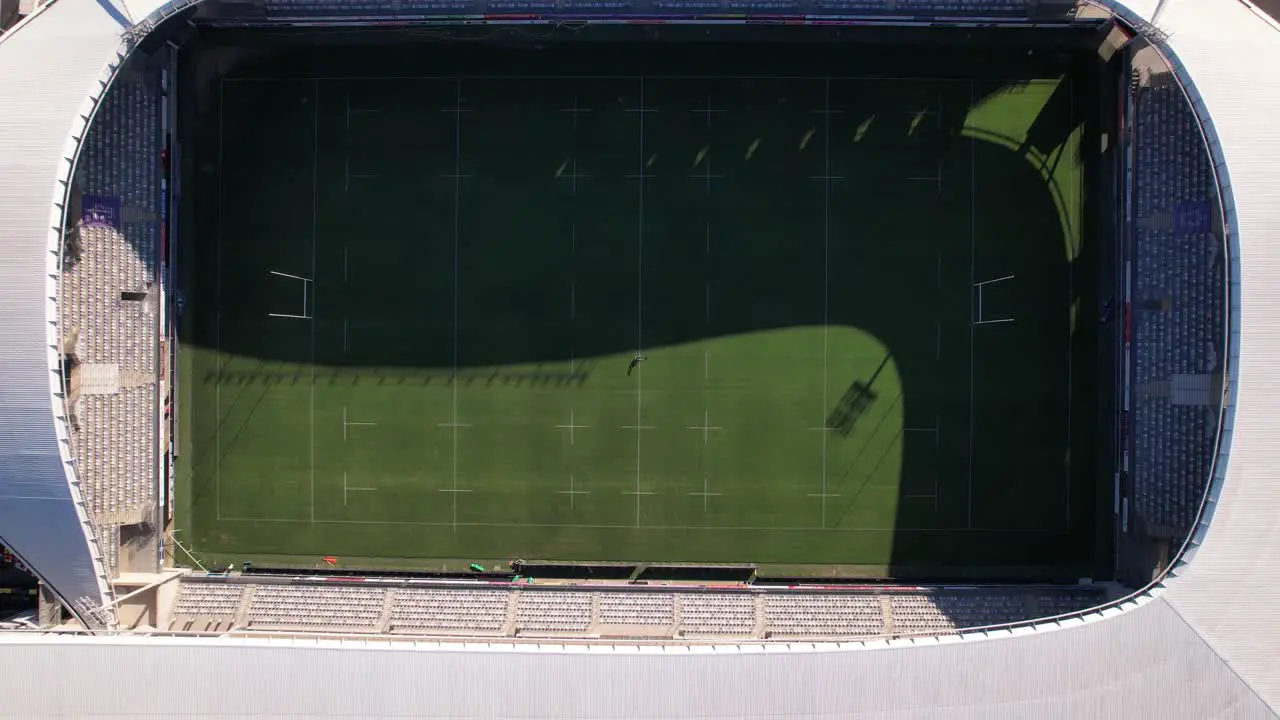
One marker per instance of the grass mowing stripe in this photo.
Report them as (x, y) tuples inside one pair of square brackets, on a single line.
[(766, 341), (315, 205)]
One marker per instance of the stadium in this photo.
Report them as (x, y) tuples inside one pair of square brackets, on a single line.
[(453, 358)]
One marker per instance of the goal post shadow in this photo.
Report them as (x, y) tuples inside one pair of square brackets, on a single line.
[(989, 302), (302, 291)]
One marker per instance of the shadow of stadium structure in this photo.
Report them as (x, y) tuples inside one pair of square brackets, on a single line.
[(915, 554)]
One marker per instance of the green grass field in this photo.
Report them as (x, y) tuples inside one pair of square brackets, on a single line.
[(855, 299)]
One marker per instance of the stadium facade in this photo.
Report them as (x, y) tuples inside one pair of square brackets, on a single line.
[(1198, 642)]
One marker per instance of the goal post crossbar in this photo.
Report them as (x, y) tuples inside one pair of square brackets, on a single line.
[(306, 282)]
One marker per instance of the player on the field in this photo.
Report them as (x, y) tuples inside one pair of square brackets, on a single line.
[(635, 362)]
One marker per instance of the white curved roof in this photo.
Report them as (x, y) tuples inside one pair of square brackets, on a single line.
[(1201, 645), (1228, 592), (1144, 664), (50, 67)]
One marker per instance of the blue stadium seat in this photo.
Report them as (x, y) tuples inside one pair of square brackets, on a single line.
[(1178, 270)]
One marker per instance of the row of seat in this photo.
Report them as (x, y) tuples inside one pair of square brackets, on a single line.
[(637, 608), (216, 599), (717, 614), (121, 156), (109, 541), (790, 615), (554, 611), (1179, 296), (113, 248), (315, 606), (110, 329), (116, 449), (293, 8)]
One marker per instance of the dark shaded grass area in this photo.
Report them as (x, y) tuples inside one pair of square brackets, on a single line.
[(485, 263)]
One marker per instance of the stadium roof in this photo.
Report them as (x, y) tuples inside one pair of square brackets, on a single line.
[(53, 65), (1202, 644)]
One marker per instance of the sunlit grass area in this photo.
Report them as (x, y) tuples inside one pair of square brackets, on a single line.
[(676, 320)]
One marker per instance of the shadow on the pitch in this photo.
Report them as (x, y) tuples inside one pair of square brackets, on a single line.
[(447, 320)]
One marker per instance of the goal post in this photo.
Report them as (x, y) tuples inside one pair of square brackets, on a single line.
[(983, 314), (303, 311)]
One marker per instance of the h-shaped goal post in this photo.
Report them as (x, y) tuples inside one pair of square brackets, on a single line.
[(980, 318), (305, 313)]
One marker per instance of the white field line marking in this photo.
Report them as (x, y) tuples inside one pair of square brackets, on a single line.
[(295, 277), (651, 76), (573, 279), (973, 210), (457, 209), (810, 528), (571, 492), (286, 315), (708, 110), (572, 175), (217, 441), (346, 423), (315, 204), (996, 280), (937, 178), (1070, 339), (826, 275), (347, 488), (994, 322), (928, 178), (706, 492), (706, 427), (933, 430), (642, 111), (575, 111), (706, 174), (573, 425), (452, 490)]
